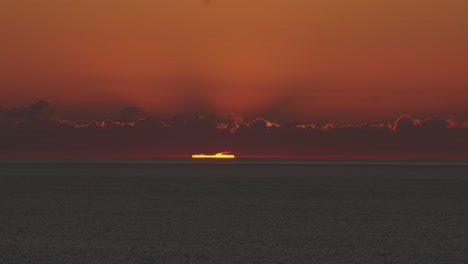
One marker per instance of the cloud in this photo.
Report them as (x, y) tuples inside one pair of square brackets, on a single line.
[(306, 126), (434, 123), (453, 123), (132, 109), (150, 123), (153, 136), (36, 111), (261, 123), (132, 113), (292, 125), (231, 122), (403, 123)]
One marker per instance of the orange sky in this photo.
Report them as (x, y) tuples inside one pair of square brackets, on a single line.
[(350, 59)]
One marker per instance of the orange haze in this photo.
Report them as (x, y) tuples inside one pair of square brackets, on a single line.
[(340, 60)]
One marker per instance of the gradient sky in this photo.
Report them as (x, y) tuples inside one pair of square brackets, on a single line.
[(340, 61)]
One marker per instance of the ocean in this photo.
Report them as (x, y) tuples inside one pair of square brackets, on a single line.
[(233, 211)]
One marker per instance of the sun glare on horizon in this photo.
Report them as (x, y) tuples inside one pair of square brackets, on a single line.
[(221, 155)]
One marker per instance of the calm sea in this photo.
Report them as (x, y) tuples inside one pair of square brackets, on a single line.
[(233, 211)]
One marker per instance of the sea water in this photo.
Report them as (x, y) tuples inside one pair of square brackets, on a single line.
[(233, 211)]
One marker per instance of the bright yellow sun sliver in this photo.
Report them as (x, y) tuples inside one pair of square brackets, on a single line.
[(221, 155)]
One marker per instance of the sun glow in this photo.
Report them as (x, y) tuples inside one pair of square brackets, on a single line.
[(221, 155)]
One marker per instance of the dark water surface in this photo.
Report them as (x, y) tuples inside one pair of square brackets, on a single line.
[(239, 211)]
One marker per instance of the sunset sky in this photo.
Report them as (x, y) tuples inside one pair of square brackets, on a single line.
[(175, 77), (340, 61)]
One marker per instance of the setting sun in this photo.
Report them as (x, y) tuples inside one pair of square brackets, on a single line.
[(221, 155)]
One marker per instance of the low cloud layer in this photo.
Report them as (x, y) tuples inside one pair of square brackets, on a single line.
[(20, 114), (28, 131)]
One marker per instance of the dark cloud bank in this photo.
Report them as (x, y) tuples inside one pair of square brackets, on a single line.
[(30, 131)]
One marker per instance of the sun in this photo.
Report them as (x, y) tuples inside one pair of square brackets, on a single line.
[(221, 155)]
